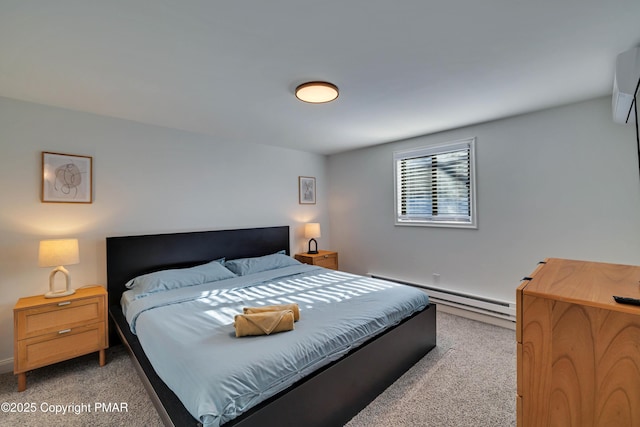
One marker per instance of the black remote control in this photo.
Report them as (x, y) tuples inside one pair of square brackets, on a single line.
[(627, 300)]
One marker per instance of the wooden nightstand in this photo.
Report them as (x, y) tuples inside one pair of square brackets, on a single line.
[(327, 259), (50, 330)]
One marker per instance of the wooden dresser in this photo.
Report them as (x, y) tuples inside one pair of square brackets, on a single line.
[(50, 330), (326, 259), (578, 350)]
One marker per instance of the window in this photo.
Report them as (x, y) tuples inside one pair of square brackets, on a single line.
[(435, 185)]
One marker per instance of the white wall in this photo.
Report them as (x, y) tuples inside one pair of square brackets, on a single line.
[(559, 183), (147, 179)]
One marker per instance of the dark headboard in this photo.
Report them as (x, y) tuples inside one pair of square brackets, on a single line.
[(131, 256)]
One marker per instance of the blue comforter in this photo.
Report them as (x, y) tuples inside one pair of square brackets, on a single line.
[(188, 333)]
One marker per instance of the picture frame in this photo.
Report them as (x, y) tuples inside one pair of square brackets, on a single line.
[(66, 178), (306, 190)]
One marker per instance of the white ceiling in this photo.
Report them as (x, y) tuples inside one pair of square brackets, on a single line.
[(229, 68)]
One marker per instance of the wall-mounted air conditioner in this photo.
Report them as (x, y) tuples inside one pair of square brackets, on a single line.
[(625, 85)]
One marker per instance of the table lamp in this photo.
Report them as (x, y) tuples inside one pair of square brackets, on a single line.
[(311, 231), (58, 253)]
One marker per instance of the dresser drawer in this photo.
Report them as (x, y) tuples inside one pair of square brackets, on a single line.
[(57, 316), (60, 345)]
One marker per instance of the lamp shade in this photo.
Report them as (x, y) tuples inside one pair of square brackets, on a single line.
[(53, 253), (312, 230)]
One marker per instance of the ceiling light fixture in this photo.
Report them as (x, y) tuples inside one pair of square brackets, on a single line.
[(317, 92)]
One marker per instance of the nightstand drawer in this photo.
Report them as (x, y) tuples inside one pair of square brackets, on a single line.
[(327, 261), (59, 315), (64, 344)]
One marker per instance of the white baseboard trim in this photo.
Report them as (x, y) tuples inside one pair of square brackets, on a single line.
[(6, 365), (476, 316), (505, 310)]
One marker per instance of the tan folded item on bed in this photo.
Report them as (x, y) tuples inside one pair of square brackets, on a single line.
[(265, 323), (293, 307)]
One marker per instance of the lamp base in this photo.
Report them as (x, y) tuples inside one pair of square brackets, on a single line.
[(63, 292), (57, 294), (315, 251)]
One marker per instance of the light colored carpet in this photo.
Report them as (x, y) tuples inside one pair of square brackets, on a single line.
[(78, 385), (467, 380)]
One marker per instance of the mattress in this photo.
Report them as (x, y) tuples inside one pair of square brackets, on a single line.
[(189, 337)]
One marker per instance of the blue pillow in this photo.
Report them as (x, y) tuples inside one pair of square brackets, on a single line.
[(179, 277), (244, 266)]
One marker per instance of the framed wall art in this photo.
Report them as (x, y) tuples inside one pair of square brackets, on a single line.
[(306, 190), (66, 178)]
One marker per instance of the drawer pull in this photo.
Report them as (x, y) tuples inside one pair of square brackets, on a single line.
[(326, 256), (64, 331), (64, 303)]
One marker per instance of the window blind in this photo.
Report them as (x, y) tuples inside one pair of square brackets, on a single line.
[(434, 185)]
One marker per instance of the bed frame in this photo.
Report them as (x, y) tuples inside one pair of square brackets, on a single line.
[(330, 396)]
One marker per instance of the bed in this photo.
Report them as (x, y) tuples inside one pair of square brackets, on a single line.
[(330, 395)]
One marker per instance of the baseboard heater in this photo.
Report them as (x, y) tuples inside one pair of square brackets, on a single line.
[(487, 306)]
